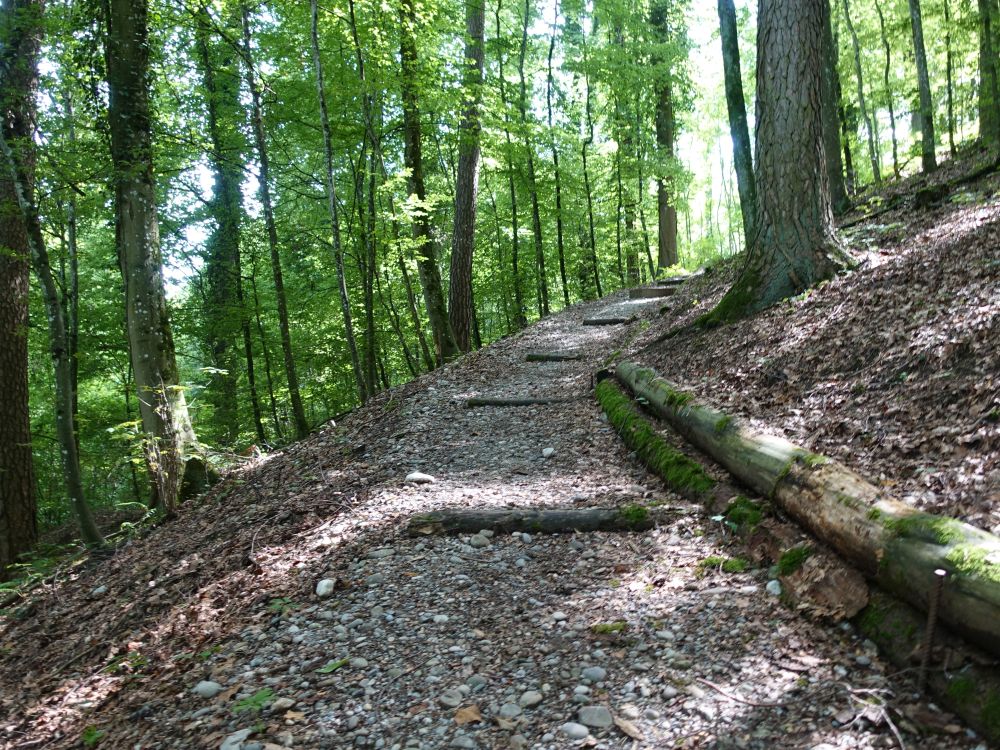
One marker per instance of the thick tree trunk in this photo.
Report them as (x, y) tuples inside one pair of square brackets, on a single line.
[(20, 32), (549, 86), (165, 419), (862, 103), (535, 520), (989, 74), (333, 209), (223, 312), (889, 95), (927, 142), (736, 105), (795, 244), (430, 274), (257, 115), (467, 187), (891, 543), (665, 134)]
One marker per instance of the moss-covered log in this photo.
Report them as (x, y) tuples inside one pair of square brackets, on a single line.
[(888, 541), (964, 681), (537, 520)]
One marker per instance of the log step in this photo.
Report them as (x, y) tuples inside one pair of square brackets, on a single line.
[(538, 521), (530, 401), (651, 292), (553, 356), (673, 281), (608, 321)]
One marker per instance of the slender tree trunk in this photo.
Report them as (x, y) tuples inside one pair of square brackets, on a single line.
[(640, 160), (889, 96), (665, 131), (430, 274), (266, 351), (862, 104), (989, 74), (549, 86), (71, 288), (795, 244), (394, 321), (831, 124), (371, 260), (223, 312), (257, 116), (949, 67), (411, 301), (162, 405), (333, 209), (460, 308), (927, 142), (587, 142), (736, 104), (541, 283)]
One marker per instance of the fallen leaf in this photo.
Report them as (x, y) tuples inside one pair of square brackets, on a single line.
[(294, 716), (332, 666), (468, 715), (628, 728)]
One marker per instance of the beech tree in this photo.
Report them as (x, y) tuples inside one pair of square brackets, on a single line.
[(927, 143), (795, 244)]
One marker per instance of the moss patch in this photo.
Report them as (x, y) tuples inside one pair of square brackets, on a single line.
[(926, 527), (634, 514), (737, 303), (791, 560), (743, 514), (974, 562), (727, 564), (990, 714), (681, 473), (605, 628), (961, 689)]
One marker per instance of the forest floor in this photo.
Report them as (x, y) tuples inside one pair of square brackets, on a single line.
[(207, 632)]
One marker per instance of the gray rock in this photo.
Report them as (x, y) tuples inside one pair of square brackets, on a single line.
[(282, 704), (598, 717), (463, 741), (207, 689), (325, 587), (375, 579), (863, 661), (773, 587), (594, 674), (669, 692), (548, 452), (477, 682), (530, 698), (451, 698), (510, 711), (574, 731), (478, 541), (559, 616), (236, 739), (440, 619), (381, 552), (417, 477), (99, 591), (359, 662)]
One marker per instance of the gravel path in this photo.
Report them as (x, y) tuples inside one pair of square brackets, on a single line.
[(354, 635)]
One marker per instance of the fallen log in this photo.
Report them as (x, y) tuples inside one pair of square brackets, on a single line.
[(538, 521), (530, 401), (608, 321), (894, 545), (553, 356)]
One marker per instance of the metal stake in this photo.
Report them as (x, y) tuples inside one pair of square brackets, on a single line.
[(932, 610)]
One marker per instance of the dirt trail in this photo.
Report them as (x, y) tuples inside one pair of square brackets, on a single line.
[(597, 640)]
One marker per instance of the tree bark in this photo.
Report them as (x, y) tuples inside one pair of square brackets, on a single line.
[(795, 243), (989, 74), (736, 105), (891, 543), (927, 143), (165, 419), (467, 182), (862, 104), (257, 115), (665, 132), (889, 96), (430, 275), (549, 86), (831, 124), (588, 192), (20, 39), (949, 67), (333, 209)]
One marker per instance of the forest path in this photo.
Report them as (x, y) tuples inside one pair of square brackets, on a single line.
[(525, 642)]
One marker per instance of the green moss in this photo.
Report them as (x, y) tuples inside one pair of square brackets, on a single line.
[(974, 562), (736, 303), (791, 560), (712, 561), (604, 628), (961, 689), (735, 565), (926, 527), (613, 357), (722, 424), (634, 514), (681, 473), (871, 619), (990, 714), (743, 514), (874, 514), (813, 460)]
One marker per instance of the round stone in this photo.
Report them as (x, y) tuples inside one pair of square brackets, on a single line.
[(207, 689), (574, 731), (594, 674), (598, 717), (530, 698), (510, 711)]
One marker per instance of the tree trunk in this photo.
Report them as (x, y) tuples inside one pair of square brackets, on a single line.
[(831, 124), (165, 419), (795, 244), (587, 142), (430, 274), (333, 209), (223, 311), (298, 412), (467, 187), (989, 75), (736, 104), (949, 67), (889, 96), (862, 104), (265, 350), (549, 86), (20, 30), (665, 132), (927, 143), (891, 543), (541, 281)]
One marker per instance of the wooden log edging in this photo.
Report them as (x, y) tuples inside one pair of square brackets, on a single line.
[(553, 356), (477, 401), (894, 545), (537, 520)]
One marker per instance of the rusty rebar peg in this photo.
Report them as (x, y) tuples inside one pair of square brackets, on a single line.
[(932, 611)]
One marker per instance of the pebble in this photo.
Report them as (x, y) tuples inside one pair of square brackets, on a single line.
[(207, 689), (99, 591), (574, 731), (594, 674), (463, 741), (325, 587), (440, 619), (417, 477), (773, 587), (236, 739), (510, 711), (598, 717), (478, 541), (863, 661), (282, 704), (359, 662), (558, 616), (548, 452), (451, 698), (381, 553), (530, 698)]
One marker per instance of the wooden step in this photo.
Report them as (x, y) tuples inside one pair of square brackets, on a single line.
[(607, 321), (553, 356), (651, 292)]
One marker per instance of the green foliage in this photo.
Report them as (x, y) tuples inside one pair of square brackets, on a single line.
[(743, 514), (333, 666), (254, 703), (607, 628), (726, 564), (791, 560), (91, 736)]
